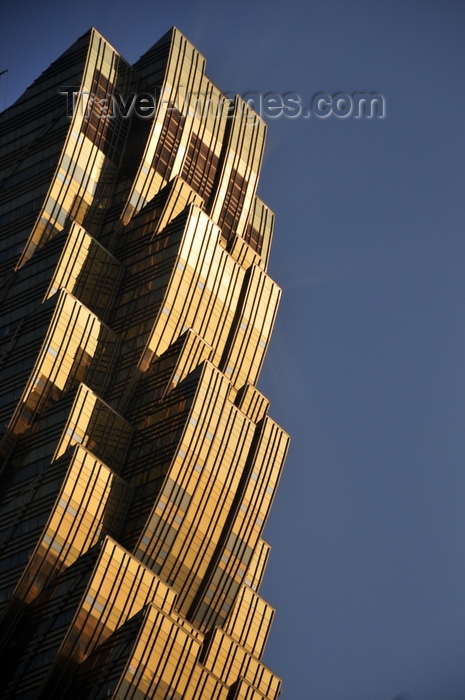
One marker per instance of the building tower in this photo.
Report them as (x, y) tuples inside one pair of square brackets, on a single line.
[(138, 459)]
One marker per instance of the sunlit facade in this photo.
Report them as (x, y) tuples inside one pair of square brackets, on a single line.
[(138, 459)]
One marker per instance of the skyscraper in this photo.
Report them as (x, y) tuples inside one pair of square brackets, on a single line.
[(138, 459)]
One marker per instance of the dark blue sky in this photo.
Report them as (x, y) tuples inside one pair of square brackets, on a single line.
[(366, 369)]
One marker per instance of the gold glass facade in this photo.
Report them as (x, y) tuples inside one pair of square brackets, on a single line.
[(138, 459)]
